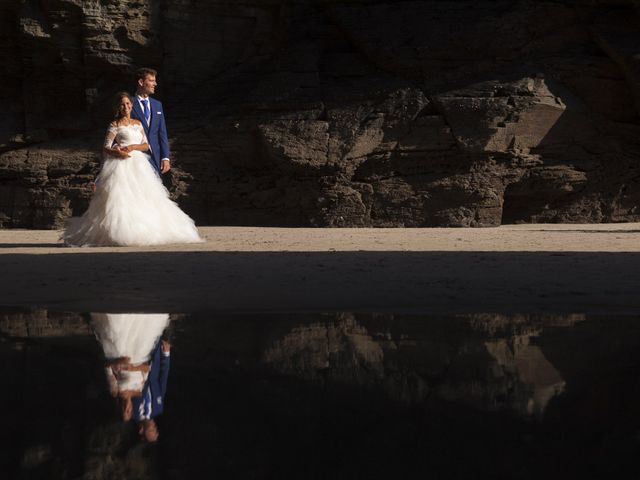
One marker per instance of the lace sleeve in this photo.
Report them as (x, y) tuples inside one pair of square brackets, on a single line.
[(110, 137)]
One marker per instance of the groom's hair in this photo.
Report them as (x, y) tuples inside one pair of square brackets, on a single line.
[(142, 73)]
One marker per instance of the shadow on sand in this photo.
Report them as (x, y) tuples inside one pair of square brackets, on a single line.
[(450, 282)]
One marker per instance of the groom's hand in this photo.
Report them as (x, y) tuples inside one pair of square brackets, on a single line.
[(165, 166)]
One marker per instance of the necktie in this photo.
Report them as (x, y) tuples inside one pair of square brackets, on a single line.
[(146, 111)]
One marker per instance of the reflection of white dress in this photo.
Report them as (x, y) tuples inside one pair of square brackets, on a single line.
[(130, 335), (130, 205)]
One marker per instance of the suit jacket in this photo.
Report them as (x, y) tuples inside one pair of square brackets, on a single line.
[(156, 131), (151, 403)]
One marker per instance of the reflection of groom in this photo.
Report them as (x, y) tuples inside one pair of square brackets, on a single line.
[(150, 403), (149, 111)]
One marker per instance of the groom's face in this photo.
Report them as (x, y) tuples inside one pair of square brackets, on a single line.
[(148, 85)]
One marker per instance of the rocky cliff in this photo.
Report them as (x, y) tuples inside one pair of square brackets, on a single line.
[(334, 112)]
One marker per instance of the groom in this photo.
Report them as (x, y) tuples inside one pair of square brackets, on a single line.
[(149, 111)]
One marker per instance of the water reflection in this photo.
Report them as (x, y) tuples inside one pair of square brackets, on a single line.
[(529, 371), (318, 395), (137, 365), (494, 365)]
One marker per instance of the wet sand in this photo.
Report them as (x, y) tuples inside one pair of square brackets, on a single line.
[(510, 269)]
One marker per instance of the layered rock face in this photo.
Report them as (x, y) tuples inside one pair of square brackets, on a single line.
[(334, 113)]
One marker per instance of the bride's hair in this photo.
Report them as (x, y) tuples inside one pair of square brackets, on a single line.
[(116, 104)]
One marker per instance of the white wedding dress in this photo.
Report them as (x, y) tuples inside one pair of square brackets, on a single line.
[(130, 206), (130, 335)]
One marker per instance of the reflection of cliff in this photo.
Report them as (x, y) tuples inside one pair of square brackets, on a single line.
[(518, 375), (528, 368), (342, 351), (338, 350), (491, 364), (277, 396), (42, 323)]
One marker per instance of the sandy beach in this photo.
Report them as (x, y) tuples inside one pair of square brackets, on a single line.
[(510, 269)]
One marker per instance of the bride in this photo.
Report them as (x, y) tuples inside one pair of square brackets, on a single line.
[(129, 341), (130, 206)]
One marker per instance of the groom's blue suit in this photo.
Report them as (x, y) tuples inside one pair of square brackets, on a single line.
[(156, 130), (151, 403)]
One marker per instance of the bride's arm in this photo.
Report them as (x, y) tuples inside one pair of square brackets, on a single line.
[(108, 149), (114, 152), (143, 147)]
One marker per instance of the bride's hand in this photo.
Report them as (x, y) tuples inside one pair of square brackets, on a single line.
[(122, 153)]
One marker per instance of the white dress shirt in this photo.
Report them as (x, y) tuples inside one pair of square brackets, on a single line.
[(140, 98)]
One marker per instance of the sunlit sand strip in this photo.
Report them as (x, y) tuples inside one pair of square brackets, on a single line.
[(620, 237)]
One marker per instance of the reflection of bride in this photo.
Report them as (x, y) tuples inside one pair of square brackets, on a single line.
[(130, 205), (128, 341)]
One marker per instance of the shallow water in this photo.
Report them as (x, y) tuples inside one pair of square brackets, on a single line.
[(344, 395)]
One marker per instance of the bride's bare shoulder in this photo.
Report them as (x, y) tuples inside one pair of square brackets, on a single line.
[(135, 121)]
